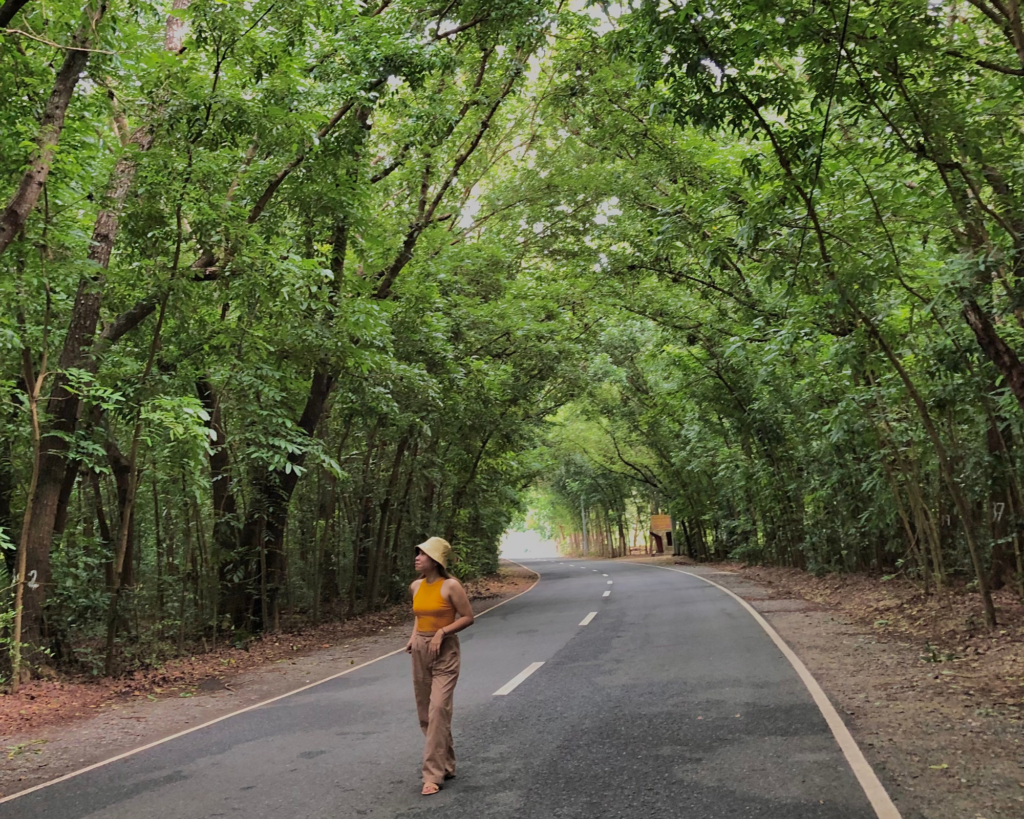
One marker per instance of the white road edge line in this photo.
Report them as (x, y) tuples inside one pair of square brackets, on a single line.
[(587, 620), (512, 684), (866, 776), (146, 747), (607, 593)]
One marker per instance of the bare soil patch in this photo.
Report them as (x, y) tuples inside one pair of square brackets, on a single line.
[(935, 700), (51, 728)]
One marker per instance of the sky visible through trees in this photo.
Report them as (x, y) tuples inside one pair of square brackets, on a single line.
[(289, 287)]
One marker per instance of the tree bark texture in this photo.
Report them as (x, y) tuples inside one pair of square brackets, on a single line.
[(997, 350)]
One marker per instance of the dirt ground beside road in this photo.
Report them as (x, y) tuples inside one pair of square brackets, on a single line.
[(934, 699), (52, 728)]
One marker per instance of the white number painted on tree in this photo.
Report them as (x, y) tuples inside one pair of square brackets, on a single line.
[(997, 511), (31, 583)]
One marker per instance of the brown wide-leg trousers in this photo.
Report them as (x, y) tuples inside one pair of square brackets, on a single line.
[(434, 684)]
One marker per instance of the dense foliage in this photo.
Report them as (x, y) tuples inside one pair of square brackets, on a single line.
[(814, 277), (289, 287)]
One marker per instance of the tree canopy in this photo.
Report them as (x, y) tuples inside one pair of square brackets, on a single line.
[(288, 288)]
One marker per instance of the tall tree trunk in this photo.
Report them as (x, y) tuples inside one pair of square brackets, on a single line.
[(262, 535), (63, 406), (15, 216)]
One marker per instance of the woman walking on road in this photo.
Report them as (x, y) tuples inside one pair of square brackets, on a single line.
[(442, 609)]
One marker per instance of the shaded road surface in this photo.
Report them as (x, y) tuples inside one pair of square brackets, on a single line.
[(671, 702)]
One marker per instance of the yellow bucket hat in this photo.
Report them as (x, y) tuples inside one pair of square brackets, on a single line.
[(438, 549)]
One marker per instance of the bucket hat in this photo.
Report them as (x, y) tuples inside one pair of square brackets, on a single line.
[(438, 549)]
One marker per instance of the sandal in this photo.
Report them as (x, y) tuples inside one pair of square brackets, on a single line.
[(430, 788)]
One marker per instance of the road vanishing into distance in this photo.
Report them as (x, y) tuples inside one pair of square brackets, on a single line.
[(608, 690)]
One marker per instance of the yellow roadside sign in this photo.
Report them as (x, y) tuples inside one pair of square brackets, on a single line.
[(661, 523)]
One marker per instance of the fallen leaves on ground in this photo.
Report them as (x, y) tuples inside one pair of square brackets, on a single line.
[(947, 625)]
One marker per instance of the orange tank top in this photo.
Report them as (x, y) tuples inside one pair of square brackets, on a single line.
[(432, 611)]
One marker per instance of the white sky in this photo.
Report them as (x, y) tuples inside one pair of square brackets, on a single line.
[(526, 545)]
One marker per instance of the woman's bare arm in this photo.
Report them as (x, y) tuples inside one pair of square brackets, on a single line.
[(455, 594), (460, 600)]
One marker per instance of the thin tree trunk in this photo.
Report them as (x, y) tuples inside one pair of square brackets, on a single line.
[(384, 520), (403, 506), (128, 506), (34, 386), (6, 513), (159, 553), (914, 546), (228, 558), (185, 570), (963, 509), (1015, 512)]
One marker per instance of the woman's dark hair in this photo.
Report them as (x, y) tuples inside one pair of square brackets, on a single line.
[(441, 570)]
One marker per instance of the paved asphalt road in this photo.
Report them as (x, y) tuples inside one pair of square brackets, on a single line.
[(672, 702)]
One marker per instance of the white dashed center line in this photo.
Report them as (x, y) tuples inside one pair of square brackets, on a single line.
[(610, 582), (604, 575), (588, 618), (607, 593), (511, 685)]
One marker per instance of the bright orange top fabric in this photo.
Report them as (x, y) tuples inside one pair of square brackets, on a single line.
[(432, 611)]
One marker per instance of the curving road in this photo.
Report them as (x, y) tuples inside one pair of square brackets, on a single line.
[(670, 702)]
